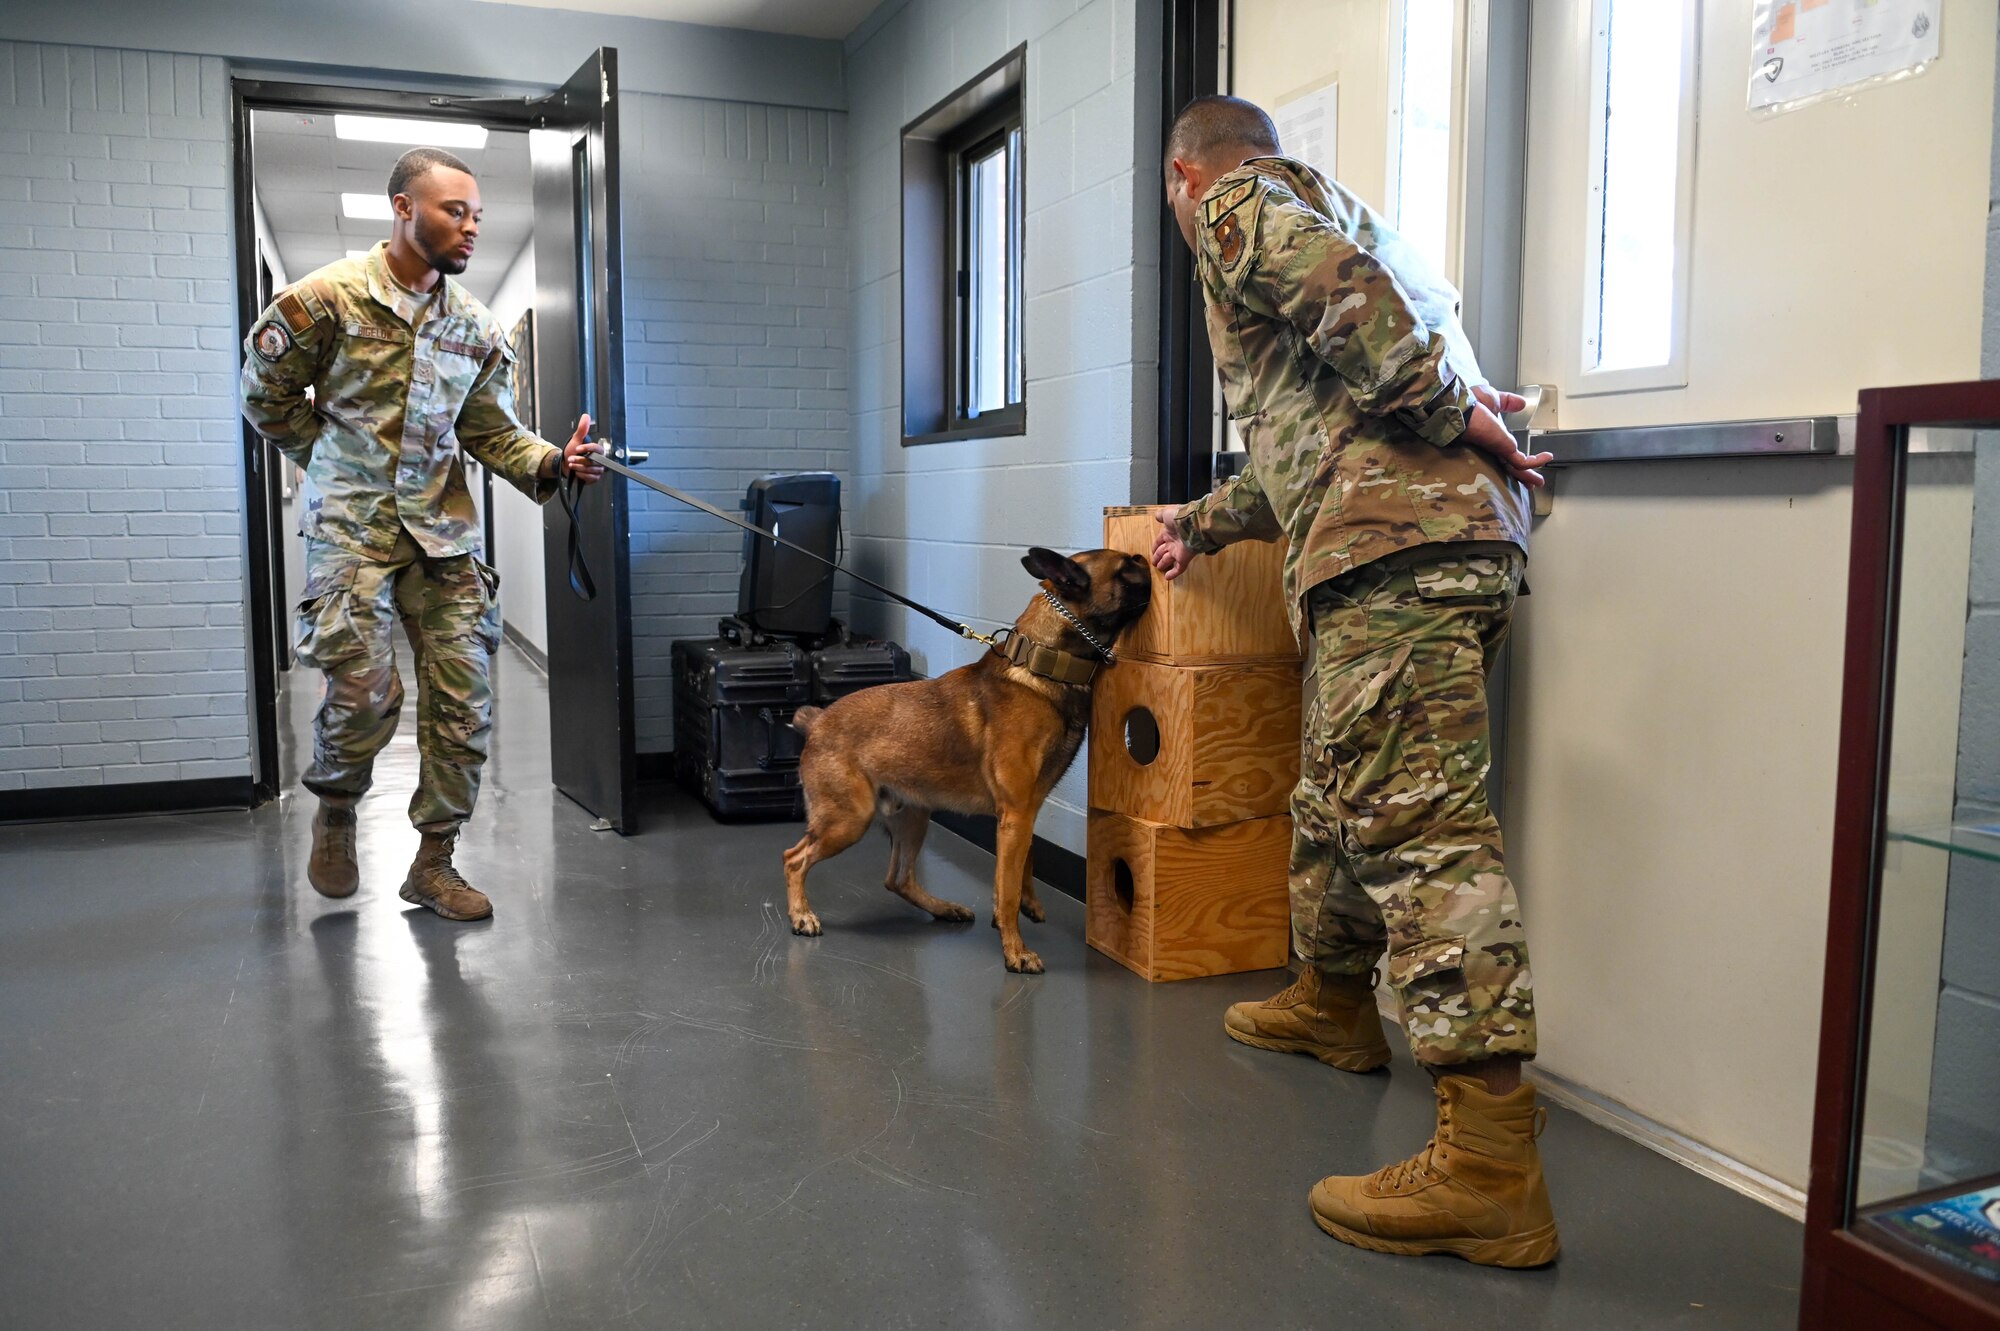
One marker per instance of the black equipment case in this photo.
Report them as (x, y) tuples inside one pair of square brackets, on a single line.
[(734, 699)]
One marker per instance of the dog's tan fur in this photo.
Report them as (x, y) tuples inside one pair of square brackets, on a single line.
[(987, 738)]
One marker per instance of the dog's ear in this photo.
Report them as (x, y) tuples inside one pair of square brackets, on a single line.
[(1068, 576)]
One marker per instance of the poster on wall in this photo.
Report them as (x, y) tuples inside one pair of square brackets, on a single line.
[(522, 339), (1803, 51), (1307, 123)]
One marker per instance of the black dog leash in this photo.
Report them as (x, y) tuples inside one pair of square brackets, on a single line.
[(579, 573)]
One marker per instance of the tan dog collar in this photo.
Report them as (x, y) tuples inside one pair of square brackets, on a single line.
[(1048, 662)]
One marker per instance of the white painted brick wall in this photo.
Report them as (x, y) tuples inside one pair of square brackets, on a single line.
[(121, 588), (948, 523), (736, 345)]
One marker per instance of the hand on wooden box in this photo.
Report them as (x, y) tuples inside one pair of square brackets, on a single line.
[(1228, 607)]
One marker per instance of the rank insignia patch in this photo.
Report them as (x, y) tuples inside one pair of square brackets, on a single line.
[(1229, 240), (271, 341)]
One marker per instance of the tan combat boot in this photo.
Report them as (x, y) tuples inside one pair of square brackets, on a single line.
[(1331, 1017), (330, 868), (1475, 1191), (435, 884)]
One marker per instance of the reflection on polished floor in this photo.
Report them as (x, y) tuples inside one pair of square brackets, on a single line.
[(633, 1098)]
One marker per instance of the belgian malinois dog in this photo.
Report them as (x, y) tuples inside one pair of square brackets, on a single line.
[(992, 737)]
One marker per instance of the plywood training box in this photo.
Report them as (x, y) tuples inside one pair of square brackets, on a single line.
[(1193, 756)]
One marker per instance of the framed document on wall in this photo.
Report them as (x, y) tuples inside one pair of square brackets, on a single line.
[(522, 339)]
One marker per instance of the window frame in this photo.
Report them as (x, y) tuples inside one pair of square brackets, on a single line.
[(936, 148), (1452, 264), (1672, 373), (1002, 127)]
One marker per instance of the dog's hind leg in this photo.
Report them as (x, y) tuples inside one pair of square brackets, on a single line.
[(907, 828), (839, 807)]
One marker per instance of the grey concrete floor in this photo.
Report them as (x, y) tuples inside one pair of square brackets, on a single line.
[(633, 1098)]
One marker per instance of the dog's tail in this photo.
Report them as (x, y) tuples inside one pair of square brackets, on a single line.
[(805, 718)]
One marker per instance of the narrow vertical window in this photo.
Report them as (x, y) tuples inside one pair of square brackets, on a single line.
[(964, 374), (990, 278), (1636, 246), (1425, 69)]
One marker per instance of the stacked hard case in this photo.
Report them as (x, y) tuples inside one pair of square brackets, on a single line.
[(734, 699), (1194, 751)]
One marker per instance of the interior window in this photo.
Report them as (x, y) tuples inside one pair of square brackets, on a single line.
[(1641, 111), (1421, 125)]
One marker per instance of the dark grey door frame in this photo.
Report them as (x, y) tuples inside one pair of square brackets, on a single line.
[(1192, 41), (488, 104), (578, 282)]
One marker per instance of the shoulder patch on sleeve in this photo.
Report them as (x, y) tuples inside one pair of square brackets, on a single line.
[(300, 307), (1229, 200), (270, 340), (1230, 226), (293, 311)]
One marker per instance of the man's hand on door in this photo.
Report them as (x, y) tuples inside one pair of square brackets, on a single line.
[(1485, 432), (580, 456)]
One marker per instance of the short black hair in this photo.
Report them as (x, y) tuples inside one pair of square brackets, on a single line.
[(1208, 123), (418, 161)]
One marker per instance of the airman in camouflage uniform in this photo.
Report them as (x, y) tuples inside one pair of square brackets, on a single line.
[(1350, 383), (376, 390), (1346, 371)]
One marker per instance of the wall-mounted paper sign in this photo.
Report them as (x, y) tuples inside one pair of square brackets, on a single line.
[(1307, 127), (1806, 50)]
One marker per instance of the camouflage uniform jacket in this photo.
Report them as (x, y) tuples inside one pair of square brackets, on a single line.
[(1347, 372), (400, 385)]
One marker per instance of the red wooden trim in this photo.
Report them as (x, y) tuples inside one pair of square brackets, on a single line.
[(1840, 1262), (1871, 564), (1973, 404), (1936, 1295)]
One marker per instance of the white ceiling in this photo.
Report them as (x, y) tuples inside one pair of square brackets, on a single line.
[(801, 18), (302, 169)]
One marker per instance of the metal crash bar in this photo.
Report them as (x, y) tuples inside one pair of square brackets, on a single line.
[(1825, 435)]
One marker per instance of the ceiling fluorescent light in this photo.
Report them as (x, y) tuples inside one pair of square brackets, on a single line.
[(367, 207), (432, 133)]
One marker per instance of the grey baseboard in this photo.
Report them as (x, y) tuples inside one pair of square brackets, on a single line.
[(1060, 868), (536, 656)]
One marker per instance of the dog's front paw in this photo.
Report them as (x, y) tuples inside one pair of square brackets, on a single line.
[(1025, 963), (953, 913), (1033, 910), (806, 924)]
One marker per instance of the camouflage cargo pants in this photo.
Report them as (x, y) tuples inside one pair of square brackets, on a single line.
[(1394, 846), (450, 611)]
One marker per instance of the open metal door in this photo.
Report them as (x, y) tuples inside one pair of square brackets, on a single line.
[(580, 367)]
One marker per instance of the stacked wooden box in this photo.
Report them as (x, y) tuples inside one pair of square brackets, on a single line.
[(1194, 750)]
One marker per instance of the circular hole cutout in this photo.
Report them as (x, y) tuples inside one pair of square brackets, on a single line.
[(1142, 736), (1121, 882)]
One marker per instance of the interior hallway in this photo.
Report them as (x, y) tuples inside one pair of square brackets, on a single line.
[(634, 1098)]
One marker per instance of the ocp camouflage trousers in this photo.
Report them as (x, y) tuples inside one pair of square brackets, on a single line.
[(1394, 846), (450, 612)]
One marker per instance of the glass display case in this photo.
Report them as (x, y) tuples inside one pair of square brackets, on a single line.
[(1903, 1215)]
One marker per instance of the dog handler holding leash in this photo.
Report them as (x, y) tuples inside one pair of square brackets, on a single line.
[(405, 369), (1376, 456)]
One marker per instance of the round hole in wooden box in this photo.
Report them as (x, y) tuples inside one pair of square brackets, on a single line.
[(1142, 735), (1121, 883)]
